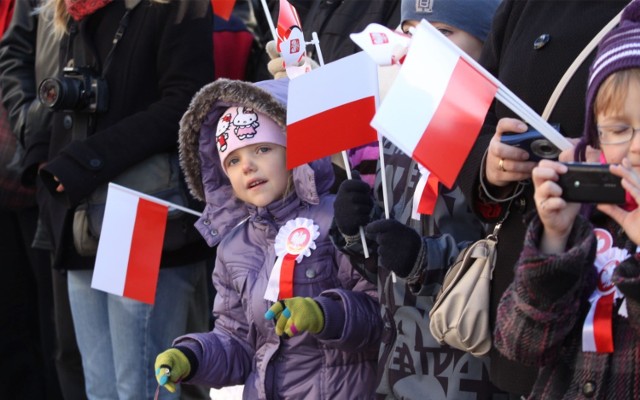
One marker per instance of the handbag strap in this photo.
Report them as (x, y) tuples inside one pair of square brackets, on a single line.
[(576, 64)]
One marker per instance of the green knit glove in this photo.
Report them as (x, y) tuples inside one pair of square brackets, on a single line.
[(172, 366), (296, 315)]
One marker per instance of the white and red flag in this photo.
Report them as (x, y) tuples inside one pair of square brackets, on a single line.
[(330, 109), (436, 106), (130, 246)]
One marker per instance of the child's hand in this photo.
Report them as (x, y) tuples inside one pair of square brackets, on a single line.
[(171, 367), (296, 315), (556, 214), (628, 220), (353, 205), (398, 245)]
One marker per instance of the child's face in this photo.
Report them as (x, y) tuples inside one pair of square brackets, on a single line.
[(616, 125), (258, 173), (465, 41)]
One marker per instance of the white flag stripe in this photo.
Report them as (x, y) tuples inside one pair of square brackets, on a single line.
[(332, 85), (112, 258)]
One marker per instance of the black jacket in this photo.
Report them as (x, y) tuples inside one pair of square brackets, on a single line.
[(163, 58), (28, 54), (334, 20), (532, 75)]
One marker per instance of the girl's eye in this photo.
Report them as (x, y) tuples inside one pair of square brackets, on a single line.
[(445, 32), (232, 161), (264, 149)]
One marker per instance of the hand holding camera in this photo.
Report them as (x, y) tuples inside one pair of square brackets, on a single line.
[(507, 164)]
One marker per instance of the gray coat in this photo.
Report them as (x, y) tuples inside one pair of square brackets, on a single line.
[(337, 363)]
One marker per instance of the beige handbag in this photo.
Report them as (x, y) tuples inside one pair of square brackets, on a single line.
[(460, 315)]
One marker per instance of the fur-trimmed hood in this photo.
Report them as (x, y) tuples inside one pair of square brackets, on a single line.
[(200, 161)]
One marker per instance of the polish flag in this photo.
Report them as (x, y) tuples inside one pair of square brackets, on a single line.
[(330, 109), (130, 246), (436, 106), (223, 8)]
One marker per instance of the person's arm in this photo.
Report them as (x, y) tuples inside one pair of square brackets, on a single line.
[(352, 312), (224, 356), (180, 71), (19, 51), (542, 305)]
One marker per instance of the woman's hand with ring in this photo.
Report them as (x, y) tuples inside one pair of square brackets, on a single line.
[(507, 164)]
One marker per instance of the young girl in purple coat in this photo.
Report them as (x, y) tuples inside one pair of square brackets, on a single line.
[(573, 308), (293, 318)]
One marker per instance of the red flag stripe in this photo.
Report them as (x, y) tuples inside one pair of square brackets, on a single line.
[(146, 251), (331, 131), (455, 123), (223, 8)]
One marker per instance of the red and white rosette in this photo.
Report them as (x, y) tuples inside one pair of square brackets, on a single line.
[(597, 331), (294, 241)]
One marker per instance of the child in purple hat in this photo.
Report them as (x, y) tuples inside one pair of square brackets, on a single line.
[(573, 308)]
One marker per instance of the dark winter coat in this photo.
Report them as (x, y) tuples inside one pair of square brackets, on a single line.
[(411, 361), (335, 20), (532, 74), (150, 81), (541, 316), (337, 363)]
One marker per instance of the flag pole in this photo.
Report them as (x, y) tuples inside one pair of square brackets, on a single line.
[(154, 199), (507, 97), (267, 14)]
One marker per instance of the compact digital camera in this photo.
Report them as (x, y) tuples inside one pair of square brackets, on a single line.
[(591, 183), (79, 90), (534, 143)]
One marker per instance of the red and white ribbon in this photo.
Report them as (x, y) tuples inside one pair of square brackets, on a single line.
[(597, 331), (294, 241), (426, 194)]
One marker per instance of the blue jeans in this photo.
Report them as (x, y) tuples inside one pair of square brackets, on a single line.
[(119, 338)]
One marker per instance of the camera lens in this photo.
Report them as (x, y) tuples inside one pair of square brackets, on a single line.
[(49, 92), (61, 94)]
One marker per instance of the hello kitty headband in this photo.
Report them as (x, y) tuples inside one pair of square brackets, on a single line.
[(242, 126)]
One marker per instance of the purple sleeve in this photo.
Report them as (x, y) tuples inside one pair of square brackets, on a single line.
[(224, 355), (352, 313)]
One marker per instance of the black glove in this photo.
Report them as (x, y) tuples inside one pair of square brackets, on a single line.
[(398, 245), (353, 205)]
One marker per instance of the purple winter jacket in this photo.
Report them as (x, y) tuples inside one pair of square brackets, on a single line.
[(337, 363)]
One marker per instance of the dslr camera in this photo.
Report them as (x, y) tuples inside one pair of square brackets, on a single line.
[(534, 143), (78, 90)]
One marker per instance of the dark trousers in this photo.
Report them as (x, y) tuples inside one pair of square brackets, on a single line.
[(26, 311)]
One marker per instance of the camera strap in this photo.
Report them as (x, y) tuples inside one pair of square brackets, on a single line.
[(83, 123)]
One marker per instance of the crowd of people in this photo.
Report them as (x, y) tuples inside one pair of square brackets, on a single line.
[(270, 288)]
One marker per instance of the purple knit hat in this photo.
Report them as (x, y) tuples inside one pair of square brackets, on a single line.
[(618, 50)]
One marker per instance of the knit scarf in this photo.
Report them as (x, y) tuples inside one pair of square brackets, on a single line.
[(79, 9)]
